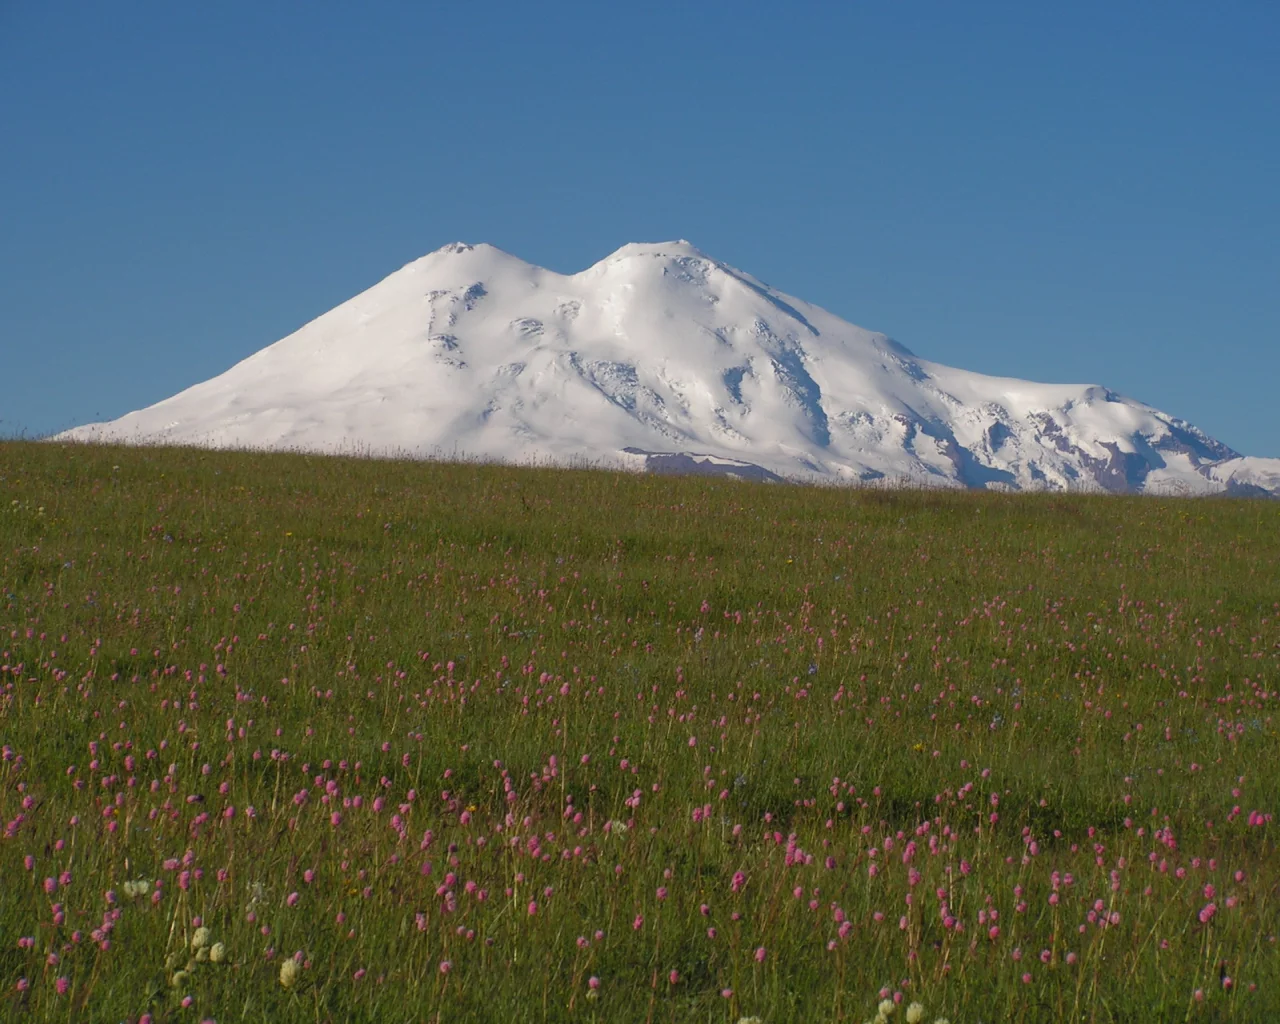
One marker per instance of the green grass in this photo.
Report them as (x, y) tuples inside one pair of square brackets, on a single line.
[(602, 685)]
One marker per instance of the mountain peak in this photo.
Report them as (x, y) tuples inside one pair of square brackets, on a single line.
[(462, 248), (680, 248), (470, 250), (475, 261)]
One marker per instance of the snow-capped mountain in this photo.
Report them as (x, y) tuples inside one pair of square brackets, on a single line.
[(662, 358)]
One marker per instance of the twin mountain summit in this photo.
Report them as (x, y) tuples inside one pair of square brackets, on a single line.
[(662, 358)]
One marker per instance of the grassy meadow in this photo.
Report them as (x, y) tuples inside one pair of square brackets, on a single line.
[(294, 738)]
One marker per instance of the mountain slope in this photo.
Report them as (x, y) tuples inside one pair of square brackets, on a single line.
[(660, 357)]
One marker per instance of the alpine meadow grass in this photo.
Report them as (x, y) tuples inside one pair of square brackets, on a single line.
[(303, 738)]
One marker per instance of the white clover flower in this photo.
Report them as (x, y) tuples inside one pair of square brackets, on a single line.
[(202, 954), (179, 979), (201, 938), (886, 1008), (290, 972), (217, 953), (141, 886), (915, 1013)]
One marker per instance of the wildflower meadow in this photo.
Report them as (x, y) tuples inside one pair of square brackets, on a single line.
[(325, 739)]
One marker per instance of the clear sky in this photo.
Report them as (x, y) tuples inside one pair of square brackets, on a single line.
[(1073, 192)]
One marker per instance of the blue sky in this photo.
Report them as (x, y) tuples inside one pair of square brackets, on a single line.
[(1080, 192)]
